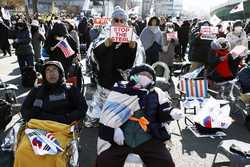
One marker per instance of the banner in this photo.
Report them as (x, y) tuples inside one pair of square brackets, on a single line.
[(121, 34), (208, 32)]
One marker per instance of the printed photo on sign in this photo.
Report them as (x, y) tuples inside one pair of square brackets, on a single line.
[(121, 34), (171, 35), (208, 32)]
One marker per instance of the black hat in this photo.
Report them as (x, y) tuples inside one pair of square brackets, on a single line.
[(237, 24), (59, 29), (142, 68)]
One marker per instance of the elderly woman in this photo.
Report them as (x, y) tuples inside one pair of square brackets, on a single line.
[(49, 111), (151, 38)]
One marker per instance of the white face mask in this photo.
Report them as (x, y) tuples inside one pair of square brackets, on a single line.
[(59, 38), (144, 81), (170, 29), (237, 29), (154, 29)]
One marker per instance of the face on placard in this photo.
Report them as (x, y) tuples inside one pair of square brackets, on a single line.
[(118, 21), (52, 74)]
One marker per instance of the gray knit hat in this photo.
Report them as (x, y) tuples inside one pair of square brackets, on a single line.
[(119, 12)]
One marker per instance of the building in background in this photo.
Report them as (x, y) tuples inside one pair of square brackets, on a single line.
[(168, 7)]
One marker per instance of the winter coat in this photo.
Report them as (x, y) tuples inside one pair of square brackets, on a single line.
[(152, 43), (22, 43), (235, 39), (244, 79), (222, 70), (37, 40), (110, 60), (153, 109), (56, 102), (167, 54), (199, 49), (183, 33), (4, 31), (75, 36)]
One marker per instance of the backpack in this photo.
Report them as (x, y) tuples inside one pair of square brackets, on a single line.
[(28, 76)]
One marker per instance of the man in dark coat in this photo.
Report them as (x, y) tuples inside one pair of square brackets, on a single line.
[(4, 42), (54, 100)]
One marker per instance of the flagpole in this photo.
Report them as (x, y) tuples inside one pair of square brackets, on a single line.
[(244, 13)]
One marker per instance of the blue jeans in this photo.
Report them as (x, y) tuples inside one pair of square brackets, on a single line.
[(23, 61)]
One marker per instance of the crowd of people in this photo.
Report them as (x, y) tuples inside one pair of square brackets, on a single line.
[(129, 110)]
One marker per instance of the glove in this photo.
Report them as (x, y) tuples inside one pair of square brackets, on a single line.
[(118, 136), (108, 42), (132, 44), (177, 114)]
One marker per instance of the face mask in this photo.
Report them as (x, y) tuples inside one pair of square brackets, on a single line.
[(238, 29), (170, 29), (144, 81), (59, 38), (154, 29)]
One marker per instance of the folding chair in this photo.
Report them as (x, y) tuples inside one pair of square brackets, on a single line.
[(193, 92)]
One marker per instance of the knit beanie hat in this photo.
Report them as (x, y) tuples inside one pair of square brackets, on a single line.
[(119, 12)]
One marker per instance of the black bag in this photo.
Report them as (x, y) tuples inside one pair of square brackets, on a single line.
[(5, 113), (206, 131), (28, 76)]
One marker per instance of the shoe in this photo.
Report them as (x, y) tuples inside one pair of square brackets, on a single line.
[(91, 122)]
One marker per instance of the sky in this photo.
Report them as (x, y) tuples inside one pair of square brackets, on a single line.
[(201, 5)]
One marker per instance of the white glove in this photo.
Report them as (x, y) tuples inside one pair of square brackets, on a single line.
[(177, 114), (119, 136)]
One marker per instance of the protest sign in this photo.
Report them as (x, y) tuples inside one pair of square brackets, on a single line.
[(239, 51), (171, 35), (101, 21), (121, 34), (208, 32)]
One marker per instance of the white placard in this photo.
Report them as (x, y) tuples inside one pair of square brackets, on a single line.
[(239, 51), (208, 32), (171, 35), (121, 34)]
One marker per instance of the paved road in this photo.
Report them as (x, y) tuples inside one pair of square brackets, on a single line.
[(187, 151)]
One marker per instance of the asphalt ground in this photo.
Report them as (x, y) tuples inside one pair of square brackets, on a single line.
[(187, 150)]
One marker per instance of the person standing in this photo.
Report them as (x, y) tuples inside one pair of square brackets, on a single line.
[(109, 59), (37, 39), (23, 47), (152, 41)]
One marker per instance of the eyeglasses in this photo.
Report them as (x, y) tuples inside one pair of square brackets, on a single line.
[(118, 20)]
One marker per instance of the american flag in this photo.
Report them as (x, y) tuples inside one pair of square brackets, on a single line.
[(65, 48)]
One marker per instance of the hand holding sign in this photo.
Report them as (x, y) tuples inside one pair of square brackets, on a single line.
[(121, 34), (239, 51), (108, 42)]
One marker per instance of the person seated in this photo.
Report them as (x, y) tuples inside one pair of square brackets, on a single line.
[(132, 121), (222, 66), (49, 111)]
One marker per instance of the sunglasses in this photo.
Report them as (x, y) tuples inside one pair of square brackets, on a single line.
[(118, 20)]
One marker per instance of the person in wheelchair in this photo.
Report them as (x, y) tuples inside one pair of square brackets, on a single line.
[(222, 66), (132, 122), (49, 111)]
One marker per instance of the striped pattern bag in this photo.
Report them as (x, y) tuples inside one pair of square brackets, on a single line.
[(194, 87)]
